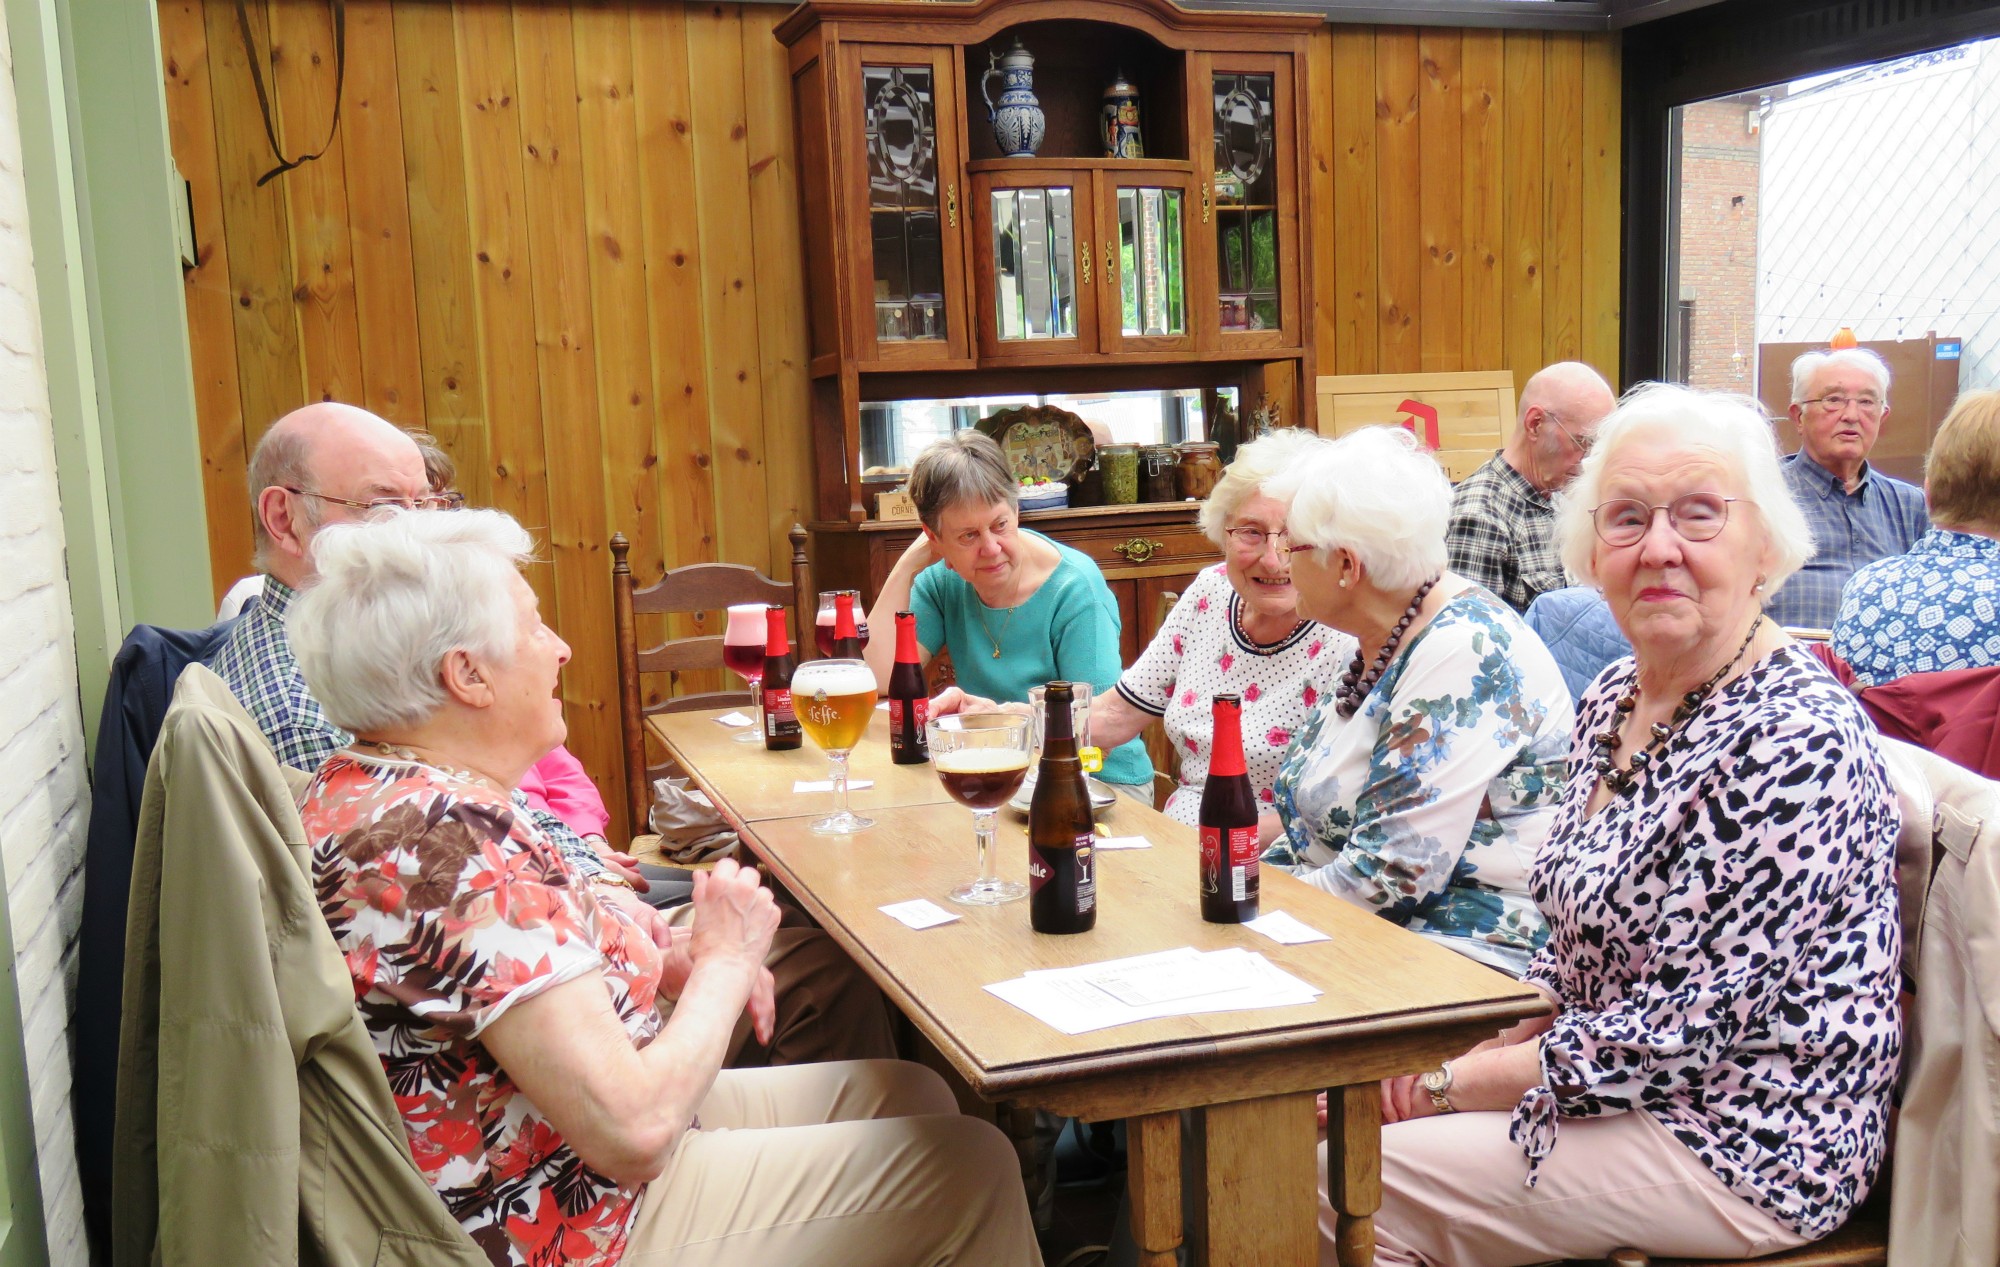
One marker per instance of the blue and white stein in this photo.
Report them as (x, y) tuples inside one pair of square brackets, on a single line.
[(1017, 117)]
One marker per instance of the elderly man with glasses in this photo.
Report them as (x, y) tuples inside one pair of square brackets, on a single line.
[(1502, 530), (1857, 514)]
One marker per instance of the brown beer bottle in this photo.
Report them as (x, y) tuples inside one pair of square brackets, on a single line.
[(1228, 820), (1062, 838), (781, 724), (909, 703), (846, 637)]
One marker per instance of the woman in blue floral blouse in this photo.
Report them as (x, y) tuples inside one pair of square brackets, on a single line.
[(1423, 788)]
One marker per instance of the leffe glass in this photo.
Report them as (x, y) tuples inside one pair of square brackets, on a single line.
[(823, 622), (981, 759), (835, 701), (743, 641)]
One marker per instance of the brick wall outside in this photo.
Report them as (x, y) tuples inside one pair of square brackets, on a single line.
[(1718, 241), (44, 800)]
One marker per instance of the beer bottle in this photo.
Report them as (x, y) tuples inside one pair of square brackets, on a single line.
[(909, 703), (846, 637), (1228, 820), (1062, 838), (781, 724)]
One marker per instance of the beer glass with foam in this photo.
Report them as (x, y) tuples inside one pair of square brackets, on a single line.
[(834, 701)]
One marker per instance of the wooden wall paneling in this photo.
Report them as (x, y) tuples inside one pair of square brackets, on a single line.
[(566, 360), (1521, 173), (302, 88), (496, 206), (385, 287), (436, 178), (270, 373), (729, 283), (1482, 106), (1441, 200), (211, 333), (1562, 175), (782, 341), (1603, 223), (1398, 177), (679, 338), (1353, 248), (1322, 150)]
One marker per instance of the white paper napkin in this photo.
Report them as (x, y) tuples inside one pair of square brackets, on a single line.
[(918, 913), (734, 719), (1123, 842), (1280, 927), (826, 785)]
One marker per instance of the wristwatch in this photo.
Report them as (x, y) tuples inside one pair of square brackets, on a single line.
[(1437, 1082)]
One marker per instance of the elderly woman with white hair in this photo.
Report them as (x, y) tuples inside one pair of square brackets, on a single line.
[(1720, 888), (1237, 630), (556, 1111), (1423, 788)]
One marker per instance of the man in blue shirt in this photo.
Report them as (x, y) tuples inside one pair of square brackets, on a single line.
[(1857, 513)]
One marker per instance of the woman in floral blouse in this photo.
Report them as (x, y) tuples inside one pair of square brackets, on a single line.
[(1720, 887), (1424, 786), (560, 1118)]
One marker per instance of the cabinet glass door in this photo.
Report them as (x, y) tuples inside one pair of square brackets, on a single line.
[(912, 309), (1253, 216), (1032, 236), (1146, 285)]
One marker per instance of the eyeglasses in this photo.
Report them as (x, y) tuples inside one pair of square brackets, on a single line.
[(1295, 549), (430, 501), (1252, 538), (1583, 445), (1837, 403), (1696, 516)]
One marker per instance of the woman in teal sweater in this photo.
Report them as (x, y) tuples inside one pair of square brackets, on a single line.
[(1014, 608)]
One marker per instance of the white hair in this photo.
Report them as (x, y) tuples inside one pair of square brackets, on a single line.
[(1255, 465), (1731, 427), (396, 595), (1375, 492), (1811, 363)]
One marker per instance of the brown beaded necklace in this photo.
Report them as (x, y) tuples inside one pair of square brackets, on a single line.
[(1622, 781), (1354, 687)]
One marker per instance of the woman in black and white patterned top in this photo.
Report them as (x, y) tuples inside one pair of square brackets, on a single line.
[(1721, 898)]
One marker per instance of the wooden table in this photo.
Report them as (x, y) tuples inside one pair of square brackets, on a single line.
[(1394, 1003)]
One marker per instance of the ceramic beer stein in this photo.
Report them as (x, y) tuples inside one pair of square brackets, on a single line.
[(1017, 117), (1121, 119)]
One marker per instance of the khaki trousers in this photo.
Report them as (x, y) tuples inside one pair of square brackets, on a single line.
[(860, 1164), (1453, 1195)]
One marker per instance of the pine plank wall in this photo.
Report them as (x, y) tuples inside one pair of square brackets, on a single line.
[(607, 344)]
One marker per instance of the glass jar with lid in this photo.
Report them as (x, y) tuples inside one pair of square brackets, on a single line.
[(1198, 469), (1156, 473), (1120, 464)]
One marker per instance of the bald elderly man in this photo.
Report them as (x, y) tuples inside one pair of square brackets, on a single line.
[(1502, 530), (332, 463)]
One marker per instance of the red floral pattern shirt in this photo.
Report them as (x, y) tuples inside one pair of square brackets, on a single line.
[(450, 909)]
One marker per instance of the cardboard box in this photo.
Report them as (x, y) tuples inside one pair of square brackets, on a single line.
[(895, 504), (1463, 417)]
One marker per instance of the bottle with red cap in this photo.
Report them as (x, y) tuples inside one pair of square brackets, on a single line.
[(846, 636), (1228, 820), (909, 702), (781, 724)]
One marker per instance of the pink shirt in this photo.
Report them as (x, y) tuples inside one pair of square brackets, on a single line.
[(558, 785)]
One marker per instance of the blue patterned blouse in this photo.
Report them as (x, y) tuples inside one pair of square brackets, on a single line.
[(1429, 804), (1935, 608)]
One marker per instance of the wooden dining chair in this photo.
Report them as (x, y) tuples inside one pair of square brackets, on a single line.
[(698, 587)]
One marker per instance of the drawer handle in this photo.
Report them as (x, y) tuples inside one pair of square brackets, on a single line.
[(1138, 549)]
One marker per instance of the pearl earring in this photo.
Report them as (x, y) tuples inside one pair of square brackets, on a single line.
[(1343, 582)]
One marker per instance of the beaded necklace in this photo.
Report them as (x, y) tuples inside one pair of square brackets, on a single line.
[(1622, 781), (1353, 686)]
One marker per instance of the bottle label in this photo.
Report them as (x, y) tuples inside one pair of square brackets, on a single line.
[(1229, 859), (1086, 871), (921, 708), (779, 719)]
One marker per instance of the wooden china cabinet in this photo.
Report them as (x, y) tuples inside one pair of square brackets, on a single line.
[(941, 270)]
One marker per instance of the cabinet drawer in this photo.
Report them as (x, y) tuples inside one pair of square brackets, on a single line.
[(1124, 548)]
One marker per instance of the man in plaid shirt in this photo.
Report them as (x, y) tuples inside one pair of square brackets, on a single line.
[(1502, 529), (1857, 513)]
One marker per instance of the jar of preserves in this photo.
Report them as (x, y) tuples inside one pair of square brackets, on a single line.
[(1156, 474), (1198, 469), (1120, 464)]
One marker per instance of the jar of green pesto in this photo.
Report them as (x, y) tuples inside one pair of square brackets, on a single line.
[(1120, 463)]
